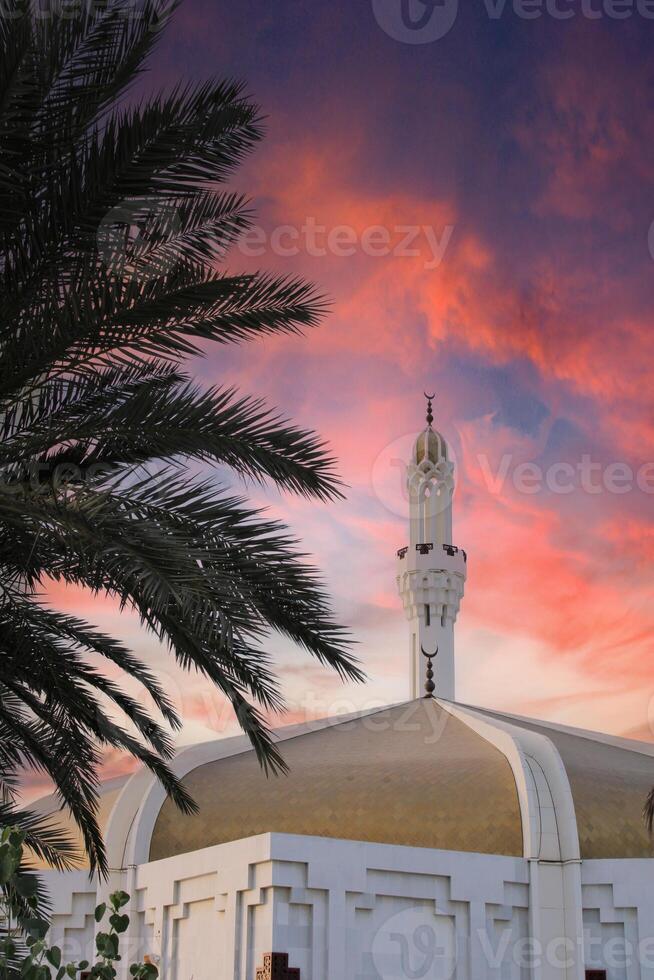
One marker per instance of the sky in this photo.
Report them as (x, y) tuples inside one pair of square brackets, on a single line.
[(472, 185)]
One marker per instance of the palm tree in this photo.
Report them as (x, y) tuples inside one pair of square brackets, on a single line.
[(102, 429)]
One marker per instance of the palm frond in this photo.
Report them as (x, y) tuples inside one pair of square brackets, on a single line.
[(46, 839), (95, 323)]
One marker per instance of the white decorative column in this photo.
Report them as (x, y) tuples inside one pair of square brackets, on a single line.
[(431, 571)]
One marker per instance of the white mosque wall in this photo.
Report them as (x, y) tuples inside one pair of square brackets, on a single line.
[(618, 913), (361, 911), (73, 900), (340, 909), (358, 911)]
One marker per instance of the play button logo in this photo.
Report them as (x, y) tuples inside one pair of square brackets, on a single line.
[(416, 21)]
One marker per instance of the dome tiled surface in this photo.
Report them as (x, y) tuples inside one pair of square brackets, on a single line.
[(411, 774), (609, 787)]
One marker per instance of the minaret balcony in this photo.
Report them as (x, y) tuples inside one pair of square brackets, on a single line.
[(425, 556)]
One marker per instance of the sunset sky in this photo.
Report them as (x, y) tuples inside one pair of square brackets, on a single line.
[(478, 209)]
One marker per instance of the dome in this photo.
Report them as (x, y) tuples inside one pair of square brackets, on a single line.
[(427, 773), (431, 446), (412, 774), (609, 780)]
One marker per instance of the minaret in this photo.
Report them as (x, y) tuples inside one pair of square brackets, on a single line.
[(431, 571)]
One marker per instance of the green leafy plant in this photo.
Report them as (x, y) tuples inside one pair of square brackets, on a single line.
[(24, 950), (103, 429)]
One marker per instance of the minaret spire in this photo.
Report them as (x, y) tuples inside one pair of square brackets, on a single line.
[(430, 415), (430, 687), (431, 570)]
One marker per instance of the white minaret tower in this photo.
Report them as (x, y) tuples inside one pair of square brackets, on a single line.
[(431, 571)]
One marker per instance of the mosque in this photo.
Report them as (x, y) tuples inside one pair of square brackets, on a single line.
[(427, 840)]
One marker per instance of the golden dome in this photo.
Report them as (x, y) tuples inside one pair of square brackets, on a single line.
[(609, 784), (431, 446), (412, 774)]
